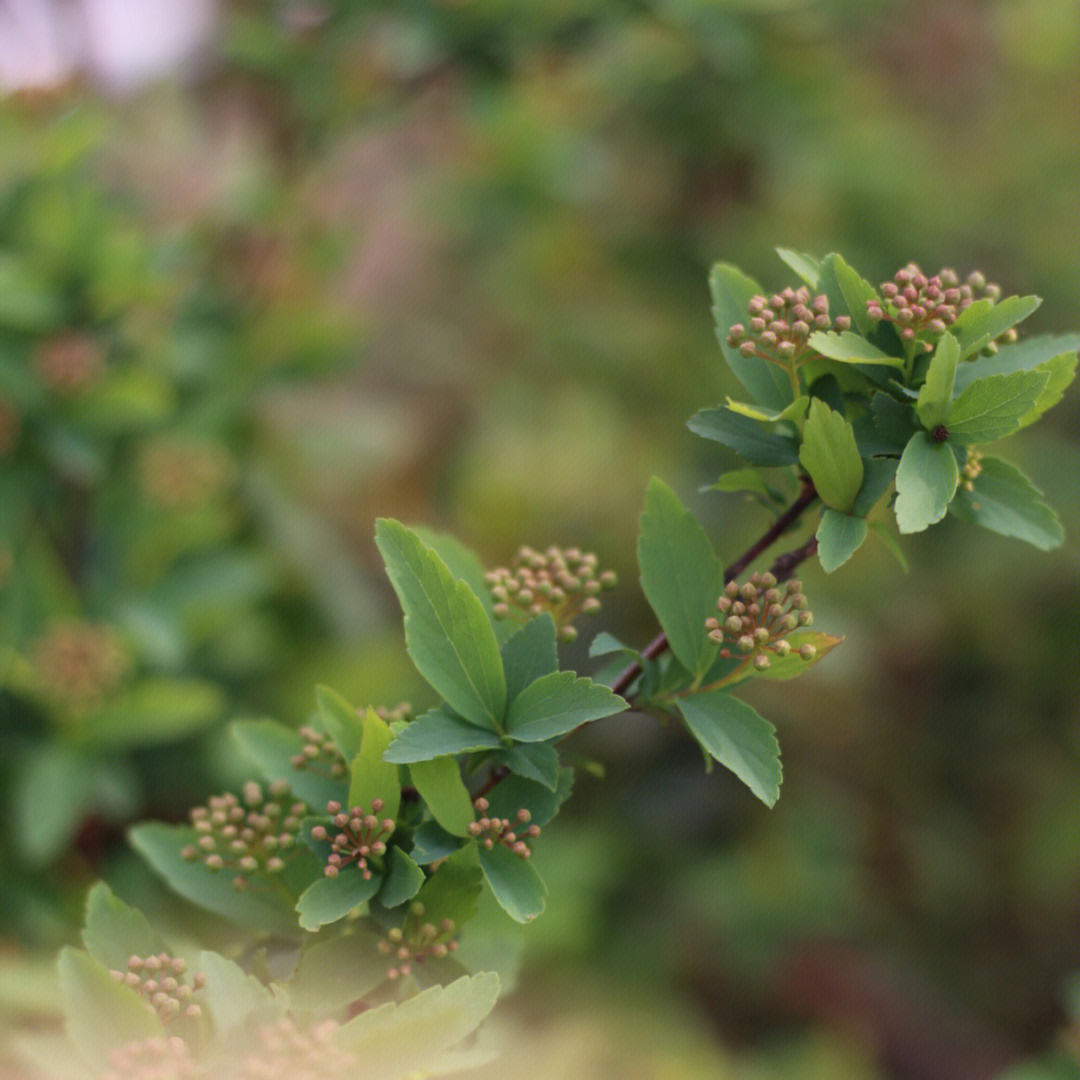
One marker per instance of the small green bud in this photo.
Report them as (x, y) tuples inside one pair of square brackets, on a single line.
[(807, 652), (782, 648), (745, 644), (733, 624), (568, 634), (761, 661), (805, 618), (761, 635)]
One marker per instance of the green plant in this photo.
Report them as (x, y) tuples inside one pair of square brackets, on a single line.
[(357, 858)]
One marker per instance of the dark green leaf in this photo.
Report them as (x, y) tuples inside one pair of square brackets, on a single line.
[(514, 882), (680, 575), (328, 899), (732, 291), (437, 734), (447, 630), (993, 407), (853, 288), (155, 711), (894, 420), (442, 789), (750, 439), (536, 761), (878, 474), (516, 793), (529, 653), (831, 457), (839, 536), (935, 397), (925, 483), (736, 736), (432, 842), (557, 704), (403, 879), (453, 891), (1005, 501)]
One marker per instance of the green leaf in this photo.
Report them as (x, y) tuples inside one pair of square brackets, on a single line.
[(272, 746), (447, 630), (1005, 501), (892, 544), (736, 736), (403, 880), (732, 291), (254, 909), (453, 891), (1022, 356), (831, 457), (28, 301), (893, 419), (460, 561), (935, 396), (101, 1013), (441, 787), (795, 411), (537, 761), (114, 931), (432, 842), (850, 348), (878, 474), (336, 971), (529, 653), (437, 734), (680, 575), (233, 997), (155, 711), (806, 266), (853, 288), (371, 775), (749, 438), (559, 703), (516, 793), (839, 536), (980, 323), (399, 1040), (744, 480), (993, 407), (925, 483), (342, 721), (328, 899), (516, 885), (782, 668), (1060, 372)]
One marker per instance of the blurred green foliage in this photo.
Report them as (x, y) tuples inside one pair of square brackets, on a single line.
[(447, 262)]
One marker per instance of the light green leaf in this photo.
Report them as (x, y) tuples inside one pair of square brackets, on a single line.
[(536, 761), (337, 971), (342, 721), (559, 703), (839, 536), (328, 899), (750, 439), (155, 711), (831, 457), (447, 630), (272, 746), (1060, 372), (892, 544), (795, 411), (736, 736), (732, 291), (101, 1013), (233, 997), (441, 787), (403, 880), (782, 668), (1005, 501), (980, 323), (680, 575), (935, 396), (514, 882), (893, 420), (114, 931), (743, 480), (1022, 356), (529, 653), (806, 266), (853, 288), (398, 1040), (850, 348), (453, 891), (254, 909), (437, 734), (371, 775), (925, 483), (993, 407)]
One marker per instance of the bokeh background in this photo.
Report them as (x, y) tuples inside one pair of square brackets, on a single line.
[(269, 270)]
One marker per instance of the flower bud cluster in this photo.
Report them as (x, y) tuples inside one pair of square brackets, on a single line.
[(565, 583), (919, 305), (285, 1051), (354, 837), (156, 1058), (756, 616), (70, 363), (161, 981), (510, 834), (779, 326), (79, 664), (10, 425), (416, 941), (971, 470), (403, 710), (319, 754), (255, 834), (183, 473)]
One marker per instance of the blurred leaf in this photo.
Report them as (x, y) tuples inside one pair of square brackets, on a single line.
[(1060, 372), (155, 711), (514, 881), (925, 483), (337, 971), (893, 545), (681, 576), (447, 631), (853, 289), (893, 420), (342, 721), (735, 735), (113, 931), (234, 998), (1005, 501), (27, 300), (1023, 355), (271, 747), (442, 789)]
